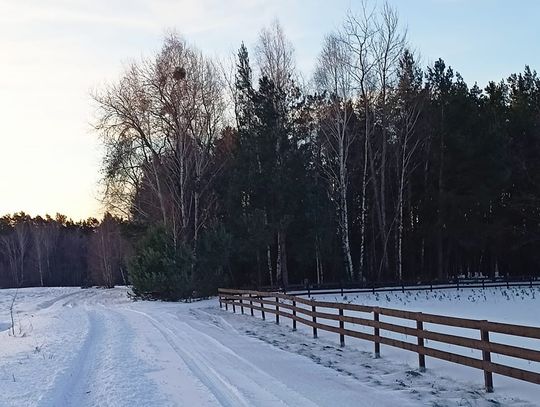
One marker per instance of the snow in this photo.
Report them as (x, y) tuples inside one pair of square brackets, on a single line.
[(514, 305), (96, 347)]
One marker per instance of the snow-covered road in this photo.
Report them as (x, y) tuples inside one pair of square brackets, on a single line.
[(95, 347)]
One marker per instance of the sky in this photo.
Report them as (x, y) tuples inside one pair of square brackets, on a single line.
[(54, 53)]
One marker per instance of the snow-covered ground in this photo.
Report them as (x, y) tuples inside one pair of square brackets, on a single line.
[(514, 305), (96, 347)]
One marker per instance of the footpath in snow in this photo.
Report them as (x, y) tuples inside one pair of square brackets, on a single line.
[(95, 347)]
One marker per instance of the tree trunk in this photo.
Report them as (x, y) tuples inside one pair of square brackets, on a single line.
[(344, 212), (259, 277), (361, 271), (278, 259), (318, 262), (269, 262), (158, 189), (283, 253), (440, 215), (385, 233)]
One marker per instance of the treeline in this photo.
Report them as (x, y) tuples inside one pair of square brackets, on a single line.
[(59, 252), (374, 169)]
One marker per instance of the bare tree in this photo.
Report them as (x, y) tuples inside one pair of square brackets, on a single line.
[(38, 237), (275, 56), (107, 250), (159, 125), (49, 241), (334, 80), (376, 43), (132, 143), (192, 98), (388, 48), (408, 106), (12, 254), (358, 36), (22, 237)]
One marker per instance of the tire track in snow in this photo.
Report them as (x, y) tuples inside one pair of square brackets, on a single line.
[(71, 387), (225, 392), (97, 375), (264, 388), (261, 379)]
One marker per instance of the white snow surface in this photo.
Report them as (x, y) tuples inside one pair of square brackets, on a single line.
[(96, 347)]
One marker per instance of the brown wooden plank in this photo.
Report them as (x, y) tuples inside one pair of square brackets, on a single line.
[(516, 330), (503, 328), (508, 350), (235, 297), (525, 375)]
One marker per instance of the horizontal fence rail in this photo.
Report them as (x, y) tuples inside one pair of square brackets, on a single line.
[(370, 287), (308, 312)]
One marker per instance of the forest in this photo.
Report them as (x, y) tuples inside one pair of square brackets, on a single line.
[(248, 174)]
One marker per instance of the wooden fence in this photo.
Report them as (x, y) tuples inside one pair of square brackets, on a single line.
[(374, 287), (275, 303)]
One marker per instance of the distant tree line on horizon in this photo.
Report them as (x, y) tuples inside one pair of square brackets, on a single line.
[(373, 170), (56, 251)]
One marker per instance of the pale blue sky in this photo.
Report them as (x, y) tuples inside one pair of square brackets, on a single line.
[(52, 53)]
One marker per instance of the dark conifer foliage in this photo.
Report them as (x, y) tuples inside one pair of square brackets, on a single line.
[(381, 171)]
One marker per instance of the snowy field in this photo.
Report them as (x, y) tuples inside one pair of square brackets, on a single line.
[(95, 347), (514, 305)]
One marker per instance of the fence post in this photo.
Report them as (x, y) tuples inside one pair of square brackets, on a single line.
[(277, 310), (242, 303), (421, 356), (226, 304), (341, 326), (233, 305), (294, 315), (376, 334), (262, 308), (220, 303), (486, 356), (251, 304), (314, 310)]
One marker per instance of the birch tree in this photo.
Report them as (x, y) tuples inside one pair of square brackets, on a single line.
[(9, 248), (38, 235), (21, 235), (334, 80), (408, 107), (358, 36), (107, 251), (376, 42), (388, 48)]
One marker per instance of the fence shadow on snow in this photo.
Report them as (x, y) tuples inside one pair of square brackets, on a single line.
[(308, 312)]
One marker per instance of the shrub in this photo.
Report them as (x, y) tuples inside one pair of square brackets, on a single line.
[(160, 269)]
